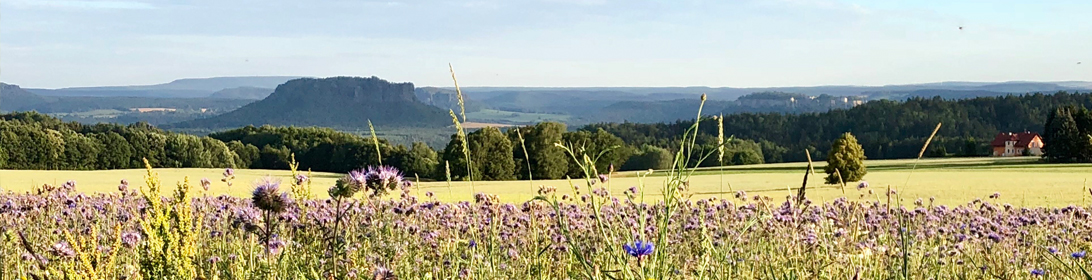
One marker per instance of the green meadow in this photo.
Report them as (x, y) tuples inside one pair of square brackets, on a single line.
[(1020, 181)]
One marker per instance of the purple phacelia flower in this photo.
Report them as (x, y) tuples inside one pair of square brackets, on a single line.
[(1078, 255), (383, 178), (130, 239), (63, 250), (275, 245), (267, 196)]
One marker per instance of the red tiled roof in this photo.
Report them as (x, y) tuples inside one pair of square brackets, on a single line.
[(1023, 139)]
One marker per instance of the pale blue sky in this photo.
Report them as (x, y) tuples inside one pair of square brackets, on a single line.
[(741, 43)]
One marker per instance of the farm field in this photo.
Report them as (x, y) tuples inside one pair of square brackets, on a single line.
[(516, 117), (1020, 181)]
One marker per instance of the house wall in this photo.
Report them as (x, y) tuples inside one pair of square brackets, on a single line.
[(1036, 146)]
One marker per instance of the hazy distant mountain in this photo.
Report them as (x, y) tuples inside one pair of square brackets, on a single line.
[(186, 88), (13, 98), (254, 93), (340, 102), (446, 99)]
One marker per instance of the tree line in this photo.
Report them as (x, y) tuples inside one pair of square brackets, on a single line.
[(36, 141), (30, 140)]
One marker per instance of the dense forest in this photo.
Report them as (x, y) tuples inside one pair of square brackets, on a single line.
[(886, 129), (31, 140)]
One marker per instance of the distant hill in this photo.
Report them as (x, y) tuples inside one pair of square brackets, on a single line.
[(339, 102), (446, 99), (181, 88), (255, 93), (14, 98), (683, 109)]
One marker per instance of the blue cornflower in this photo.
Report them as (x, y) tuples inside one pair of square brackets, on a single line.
[(473, 243), (1037, 272), (1052, 250), (639, 249), (1078, 255)]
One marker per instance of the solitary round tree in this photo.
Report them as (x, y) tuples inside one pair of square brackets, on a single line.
[(846, 158)]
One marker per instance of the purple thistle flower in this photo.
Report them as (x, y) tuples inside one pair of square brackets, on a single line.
[(1078, 255), (300, 179), (862, 185), (639, 249), (228, 172), (603, 178), (205, 184), (124, 186), (995, 195)]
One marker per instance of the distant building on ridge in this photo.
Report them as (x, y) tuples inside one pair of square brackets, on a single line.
[(1017, 144)]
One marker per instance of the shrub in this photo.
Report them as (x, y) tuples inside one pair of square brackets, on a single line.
[(846, 158)]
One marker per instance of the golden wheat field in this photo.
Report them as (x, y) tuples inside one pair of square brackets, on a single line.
[(1020, 181)]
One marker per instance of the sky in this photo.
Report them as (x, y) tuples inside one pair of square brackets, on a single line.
[(556, 43)]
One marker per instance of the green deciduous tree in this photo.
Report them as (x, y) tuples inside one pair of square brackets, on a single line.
[(453, 159), (419, 161), (116, 151), (609, 149), (547, 160), (847, 158), (491, 153), (649, 157), (246, 155)]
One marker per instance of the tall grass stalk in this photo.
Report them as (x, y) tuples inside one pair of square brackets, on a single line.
[(527, 159), (677, 181), (462, 130), (804, 186), (375, 139), (920, 154), (720, 152)]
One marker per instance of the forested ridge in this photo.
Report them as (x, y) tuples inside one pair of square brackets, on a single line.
[(886, 129)]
